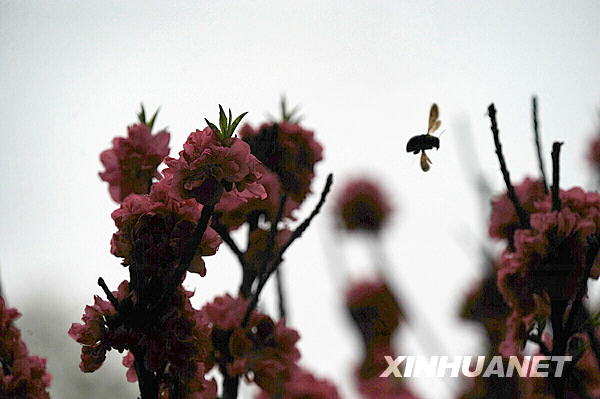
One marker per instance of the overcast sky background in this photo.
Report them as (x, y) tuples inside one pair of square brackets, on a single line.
[(72, 76)]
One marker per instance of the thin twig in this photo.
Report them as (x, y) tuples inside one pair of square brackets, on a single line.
[(108, 293), (556, 175), (223, 232), (273, 233), (536, 339), (279, 258), (512, 195), (281, 294), (538, 144)]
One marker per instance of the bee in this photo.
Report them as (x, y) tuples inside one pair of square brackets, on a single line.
[(427, 141)]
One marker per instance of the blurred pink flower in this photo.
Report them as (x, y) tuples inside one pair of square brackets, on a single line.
[(362, 206), (503, 219), (304, 385), (290, 151)]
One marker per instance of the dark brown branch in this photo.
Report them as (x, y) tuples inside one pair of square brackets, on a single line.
[(300, 229), (188, 255), (277, 260), (537, 340), (108, 293), (273, 233), (223, 232), (281, 294), (512, 195), (556, 175), (538, 144)]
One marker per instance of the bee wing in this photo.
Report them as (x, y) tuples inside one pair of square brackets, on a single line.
[(425, 162), (434, 115)]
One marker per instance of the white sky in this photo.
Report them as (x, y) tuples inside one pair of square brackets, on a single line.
[(72, 76)]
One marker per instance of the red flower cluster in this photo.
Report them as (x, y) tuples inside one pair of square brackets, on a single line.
[(234, 211), (263, 349), (304, 385), (288, 150), (131, 163), (374, 310), (503, 220), (484, 304), (153, 231), (362, 206), (176, 345), (593, 154), (21, 375), (385, 388), (548, 260), (207, 166)]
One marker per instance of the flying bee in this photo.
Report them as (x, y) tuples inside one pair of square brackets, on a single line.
[(427, 141)]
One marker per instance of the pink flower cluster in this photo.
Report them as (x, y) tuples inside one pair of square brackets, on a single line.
[(206, 166), (234, 211), (288, 150), (21, 375), (264, 351), (362, 206), (176, 345), (132, 162), (547, 260), (303, 385), (503, 219), (377, 315), (155, 228)]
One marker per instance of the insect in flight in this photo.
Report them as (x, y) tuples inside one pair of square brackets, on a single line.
[(427, 141)]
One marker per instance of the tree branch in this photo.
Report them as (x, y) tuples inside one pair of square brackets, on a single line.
[(512, 195)]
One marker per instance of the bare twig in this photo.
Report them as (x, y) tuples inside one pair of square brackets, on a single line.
[(538, 144), (512, 195), (108, 293), (223, 232), (279, 258), (556, 175)]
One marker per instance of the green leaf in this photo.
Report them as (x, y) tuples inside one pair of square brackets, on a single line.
[(214, 128), (222, 121), (142, 115), (229, 121), (283, 109), (236, 122), (150, 123)]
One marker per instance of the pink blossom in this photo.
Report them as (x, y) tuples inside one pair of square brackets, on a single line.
[(175, 344), (131, 163), (375, 310), (304, 385), (234, 211), (207, 166), (593, 154), (362, 206), (503, 219), (21, 375), (548, 261), (290, 151), (263, 349), (162, 224)]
